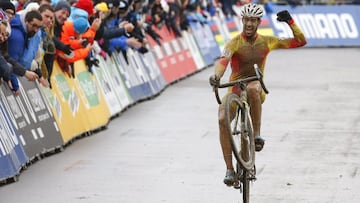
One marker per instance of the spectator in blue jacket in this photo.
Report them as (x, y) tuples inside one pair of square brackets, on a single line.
[(7, 64), (122, 43), (22, 40)]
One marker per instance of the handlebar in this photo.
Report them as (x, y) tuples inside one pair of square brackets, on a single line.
[(259, 77)]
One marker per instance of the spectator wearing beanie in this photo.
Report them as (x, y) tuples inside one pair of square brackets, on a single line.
[(9, 8), (62, 12), (86, 5), (72, 35)]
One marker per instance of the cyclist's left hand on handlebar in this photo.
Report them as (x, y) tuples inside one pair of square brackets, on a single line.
[(214, 80), (284, 16)]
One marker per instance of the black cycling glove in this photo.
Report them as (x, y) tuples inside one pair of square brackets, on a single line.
[(284, 16), (214, 80)]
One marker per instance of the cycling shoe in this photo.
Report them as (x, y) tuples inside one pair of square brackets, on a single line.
[(259, 143)]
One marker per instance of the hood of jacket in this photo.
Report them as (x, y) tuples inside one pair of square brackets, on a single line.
[(18, 22)]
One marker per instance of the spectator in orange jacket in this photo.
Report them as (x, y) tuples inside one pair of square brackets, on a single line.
[(73, 34)]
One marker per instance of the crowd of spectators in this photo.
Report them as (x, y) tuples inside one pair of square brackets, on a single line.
[(36, 33)]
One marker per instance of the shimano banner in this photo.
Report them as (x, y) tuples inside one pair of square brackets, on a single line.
[(322, 25)]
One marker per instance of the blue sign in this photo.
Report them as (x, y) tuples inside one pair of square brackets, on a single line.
[(322, 25), (12, 154)]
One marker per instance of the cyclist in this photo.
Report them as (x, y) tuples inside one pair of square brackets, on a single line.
[(242, 52)]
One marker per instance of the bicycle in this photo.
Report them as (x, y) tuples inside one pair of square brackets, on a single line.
[(241, 131)]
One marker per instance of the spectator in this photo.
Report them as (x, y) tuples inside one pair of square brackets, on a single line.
[(89, 35), (23, 40), (9, 9), (72, 35), (20, 4), (9, 63), (5, 67), (122, 43), (47, 47), (62, 12), (127, 15), (107, 32)]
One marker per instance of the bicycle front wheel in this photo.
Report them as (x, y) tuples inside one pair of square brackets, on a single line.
[(240, 131)]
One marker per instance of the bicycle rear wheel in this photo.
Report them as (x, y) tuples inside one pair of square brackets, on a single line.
[(240, 131)]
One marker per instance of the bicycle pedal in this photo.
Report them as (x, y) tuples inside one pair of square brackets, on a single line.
[(252, 178), (237, 185)]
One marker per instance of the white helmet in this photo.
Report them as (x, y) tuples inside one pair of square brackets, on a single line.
[(252, 10)]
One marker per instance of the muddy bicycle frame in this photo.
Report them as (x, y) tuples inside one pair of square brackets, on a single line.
[(240, 129)]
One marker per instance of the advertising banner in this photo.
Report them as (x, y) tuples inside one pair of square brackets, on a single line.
[(32, 118), (173, 57), (153, 71), (117, 83), (150, 72), (201, 38), (185, 62), (65, 103), (214, 48), (194, 49), (12, 154), (336, 25), (137, 71), (94, 107), (106, 88), (133, 83)]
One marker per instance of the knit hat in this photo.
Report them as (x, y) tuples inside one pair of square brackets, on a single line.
[(81, 25), (62, 5), (123, 5), (6, 4), (102, 7), (86, 5), (112, 3), (78, 13)]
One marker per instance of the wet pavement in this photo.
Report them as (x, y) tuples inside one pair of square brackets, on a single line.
[(167, 149)]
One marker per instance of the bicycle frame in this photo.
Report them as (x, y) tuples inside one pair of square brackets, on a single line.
[(238, 119)]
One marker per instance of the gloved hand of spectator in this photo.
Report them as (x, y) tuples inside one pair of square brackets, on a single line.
[(84, 42), (142, 50), (67, 49), (95, 62), (284, 16)]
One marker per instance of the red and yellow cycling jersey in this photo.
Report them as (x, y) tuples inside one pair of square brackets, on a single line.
[(244, 54)]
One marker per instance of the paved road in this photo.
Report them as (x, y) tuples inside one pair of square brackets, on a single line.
[(167, 149)]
